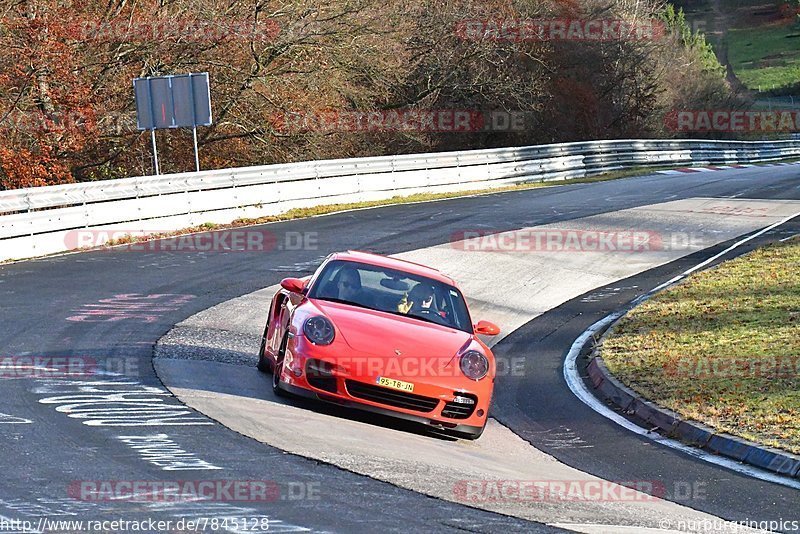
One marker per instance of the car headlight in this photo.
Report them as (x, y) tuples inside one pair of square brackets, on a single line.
[(319, 330), (474, 365)]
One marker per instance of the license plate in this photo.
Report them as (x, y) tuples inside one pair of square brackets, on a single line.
[(395, 384)]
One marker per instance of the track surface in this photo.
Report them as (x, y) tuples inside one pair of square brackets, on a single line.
[(45, 456)]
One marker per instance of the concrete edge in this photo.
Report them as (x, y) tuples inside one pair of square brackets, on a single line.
[(693, 433)]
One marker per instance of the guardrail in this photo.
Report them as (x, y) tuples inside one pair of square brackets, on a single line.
[(37, 221)]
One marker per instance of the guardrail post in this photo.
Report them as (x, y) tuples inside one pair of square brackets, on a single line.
[(188, 200), (359, 187), (85, 210), (30, 209), (394, 178), (137, 188), (235, 193), (316, 176)]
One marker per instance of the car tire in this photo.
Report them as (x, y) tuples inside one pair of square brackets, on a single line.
[(264, 365), (276, 373)]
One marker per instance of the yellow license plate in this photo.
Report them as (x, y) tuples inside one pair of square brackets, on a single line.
[(395, 384)]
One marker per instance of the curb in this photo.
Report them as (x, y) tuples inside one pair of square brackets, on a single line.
[(611, 390)]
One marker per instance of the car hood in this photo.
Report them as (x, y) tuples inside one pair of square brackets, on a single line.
[(381, 334)]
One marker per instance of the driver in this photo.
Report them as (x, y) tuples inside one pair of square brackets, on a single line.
[(349, 286), (418, 301)]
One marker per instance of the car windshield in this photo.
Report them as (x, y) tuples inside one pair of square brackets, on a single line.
[(392, 291)]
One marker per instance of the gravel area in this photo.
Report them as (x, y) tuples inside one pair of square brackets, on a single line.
[(223, 346)]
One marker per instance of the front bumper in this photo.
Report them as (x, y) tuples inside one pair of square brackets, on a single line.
[(436, 401), (456, 428)]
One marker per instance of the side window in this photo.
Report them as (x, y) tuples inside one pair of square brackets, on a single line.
[(330, 281)]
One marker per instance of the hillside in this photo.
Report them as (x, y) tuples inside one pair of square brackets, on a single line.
[(288, 78), (758, 39)]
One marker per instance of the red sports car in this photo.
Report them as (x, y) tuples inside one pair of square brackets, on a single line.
[(383, 335)]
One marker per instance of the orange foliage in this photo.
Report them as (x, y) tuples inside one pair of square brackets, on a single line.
[(23, 168), (66, 98)]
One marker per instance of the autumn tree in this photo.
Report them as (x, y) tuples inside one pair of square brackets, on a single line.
[(67, 110)]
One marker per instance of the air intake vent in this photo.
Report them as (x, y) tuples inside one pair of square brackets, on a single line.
[(391, 397), (461, 407), (319, 375)]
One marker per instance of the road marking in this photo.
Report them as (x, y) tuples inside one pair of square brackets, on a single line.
[(714, 168), (304, 266), (563, 438), (6, 419), (118, 403), (130, 306), (63, 507), (580, 390), (602, 295), (161, 451)]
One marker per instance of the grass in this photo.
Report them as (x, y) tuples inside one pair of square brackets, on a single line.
[(765, 57), (763, 44), (722, 348)]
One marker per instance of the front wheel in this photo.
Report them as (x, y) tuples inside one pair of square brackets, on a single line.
[(264, 365), (276, 373)]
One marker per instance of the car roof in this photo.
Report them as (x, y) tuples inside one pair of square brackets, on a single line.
[(393, 263)]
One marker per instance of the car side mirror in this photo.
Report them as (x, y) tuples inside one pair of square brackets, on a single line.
[(295, 285), (486, 328)]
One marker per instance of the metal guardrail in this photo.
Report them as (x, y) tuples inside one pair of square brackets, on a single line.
[(38, 221)]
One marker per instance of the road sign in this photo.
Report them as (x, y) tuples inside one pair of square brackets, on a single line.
[(176, 101)]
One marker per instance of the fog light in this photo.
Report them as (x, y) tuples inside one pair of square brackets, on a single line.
[(463, 400)]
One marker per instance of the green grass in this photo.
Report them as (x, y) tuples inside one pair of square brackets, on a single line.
[(722, 348), (765, 57), (763, 45)]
